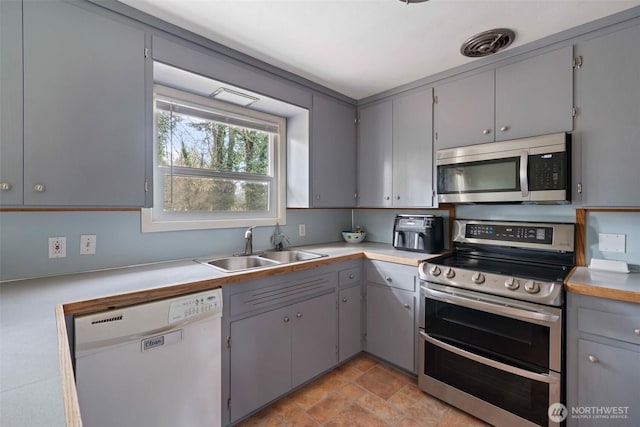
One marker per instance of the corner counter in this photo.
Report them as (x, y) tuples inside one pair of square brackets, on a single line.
[(604, 284), (36, 377)]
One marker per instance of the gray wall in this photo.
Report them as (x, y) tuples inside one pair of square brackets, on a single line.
[(24, 240)]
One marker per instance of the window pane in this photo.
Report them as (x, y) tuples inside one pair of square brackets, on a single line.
[(194, 142), (193, 194)]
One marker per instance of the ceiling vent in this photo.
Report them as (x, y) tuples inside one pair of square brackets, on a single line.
[(233, 96), (487, 42)]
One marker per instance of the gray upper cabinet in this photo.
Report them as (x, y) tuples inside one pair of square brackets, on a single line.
[(84, 108), (527, 98), (374, 155), (608, 118), (332, 153), (413, 150), (395, 157), (535, 96), (463, 114), (11, 103)]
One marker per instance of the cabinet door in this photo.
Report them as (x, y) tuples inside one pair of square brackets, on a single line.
[(350, 322), (608, 377), (332, 153), (11, 103), (315, 337), (608, 114), (374, 155), (535, 96), (390, 325), (260, 360), (464, 111), (413, 150), (84, 108)]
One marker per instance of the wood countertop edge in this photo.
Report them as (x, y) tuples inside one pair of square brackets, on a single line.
[(603, 292), (69, 391)]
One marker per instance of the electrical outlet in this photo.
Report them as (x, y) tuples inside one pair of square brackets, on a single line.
[(87, 244), (57, 247), (302, 230)]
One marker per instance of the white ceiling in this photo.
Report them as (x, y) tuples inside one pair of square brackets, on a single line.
[(363, 47)]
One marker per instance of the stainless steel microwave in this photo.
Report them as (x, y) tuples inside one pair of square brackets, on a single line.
[(527, 170)]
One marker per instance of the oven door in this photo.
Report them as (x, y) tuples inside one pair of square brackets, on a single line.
[(493, 357)]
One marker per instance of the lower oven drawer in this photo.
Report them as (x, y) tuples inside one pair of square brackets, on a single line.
[(501, 397)]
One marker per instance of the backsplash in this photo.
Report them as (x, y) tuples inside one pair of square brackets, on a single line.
[(24, 237), (627, 223)]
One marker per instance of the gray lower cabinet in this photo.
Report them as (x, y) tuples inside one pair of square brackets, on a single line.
[(391, 313), (283, 331), (603, 356), (350, 322), (608, 114), (84, 107), (332, 153)]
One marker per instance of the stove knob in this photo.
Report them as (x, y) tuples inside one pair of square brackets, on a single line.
[(450, 273), (435, 270), (531, 287), (477, 278), (512, 284)]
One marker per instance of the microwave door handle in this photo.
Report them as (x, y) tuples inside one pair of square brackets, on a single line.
[(524, 181)]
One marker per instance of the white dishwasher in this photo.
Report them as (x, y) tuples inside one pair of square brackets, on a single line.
[(154, 364)]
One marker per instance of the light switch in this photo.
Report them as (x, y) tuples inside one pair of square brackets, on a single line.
[(612, 242)]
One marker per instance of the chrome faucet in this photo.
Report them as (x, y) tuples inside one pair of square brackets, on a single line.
[(248, 240)]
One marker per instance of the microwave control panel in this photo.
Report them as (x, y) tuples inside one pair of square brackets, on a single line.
[(548, 171)]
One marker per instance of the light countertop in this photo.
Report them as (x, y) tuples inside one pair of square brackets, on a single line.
[(604, 284), (31, 385)]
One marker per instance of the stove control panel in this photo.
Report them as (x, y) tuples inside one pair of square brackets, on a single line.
[(512, 233), (497, 284)]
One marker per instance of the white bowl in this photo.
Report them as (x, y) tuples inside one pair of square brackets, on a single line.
[(354, 237)]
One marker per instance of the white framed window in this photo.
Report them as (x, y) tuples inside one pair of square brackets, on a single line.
[(216, 165)]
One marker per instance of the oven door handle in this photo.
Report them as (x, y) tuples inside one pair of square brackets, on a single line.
[(520, 313), (551, 378)]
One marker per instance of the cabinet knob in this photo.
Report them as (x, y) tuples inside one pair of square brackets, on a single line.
[(345, 299), (637, 331), (387, 198), (39, 188), (5, 186), (388, 279), (504, 128), (486, 131), (298, 315), (351, 276), (286, 319), (317, 197), (397, 197), (407, 306), (593, 359)]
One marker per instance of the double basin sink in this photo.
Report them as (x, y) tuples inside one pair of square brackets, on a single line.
[(236, 263)]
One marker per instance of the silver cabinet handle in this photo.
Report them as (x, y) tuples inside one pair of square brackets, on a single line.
[(504, 128), (637, 331), (388, 279), (286, 319), (299, 315), (486, 131), (593, 359), (5, 186), (345, 299), (39, 188), (407, 306)]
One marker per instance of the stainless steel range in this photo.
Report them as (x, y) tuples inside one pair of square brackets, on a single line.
[(492, 322)]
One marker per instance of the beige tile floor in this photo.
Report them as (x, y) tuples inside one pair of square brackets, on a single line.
[(362, 392)]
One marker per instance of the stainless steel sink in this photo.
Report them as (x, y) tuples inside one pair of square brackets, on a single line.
[(290, 256), (238, 263), (266, 259)]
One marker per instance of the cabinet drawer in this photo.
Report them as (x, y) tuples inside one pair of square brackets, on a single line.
[(389, 274), (617, 326), (271, 296), (349, 277)]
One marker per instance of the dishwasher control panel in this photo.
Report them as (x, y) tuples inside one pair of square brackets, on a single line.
[(195, 305)]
